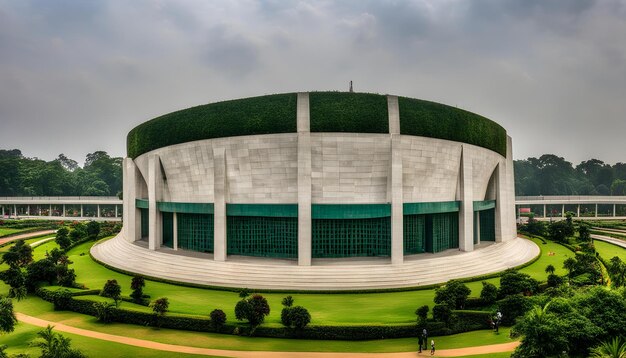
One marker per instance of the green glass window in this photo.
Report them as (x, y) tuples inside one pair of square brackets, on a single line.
[(145, 223), (168, 229), (414, 234), (488, 225), (195, 232), (442, 232), (262, 236), (351, 237)]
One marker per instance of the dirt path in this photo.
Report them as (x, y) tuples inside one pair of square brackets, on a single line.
[(495, 348), (26, 236)]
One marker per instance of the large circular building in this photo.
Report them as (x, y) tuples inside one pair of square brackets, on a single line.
[(307, 177)]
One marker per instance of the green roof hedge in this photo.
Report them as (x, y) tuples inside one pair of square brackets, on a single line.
[(330, 112), (256, 115), (348, 112), (435, 120)]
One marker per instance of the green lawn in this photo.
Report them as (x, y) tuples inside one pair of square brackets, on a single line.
[(607, 251), (19, 342), (7, 231), (35, 306), (328, 309)]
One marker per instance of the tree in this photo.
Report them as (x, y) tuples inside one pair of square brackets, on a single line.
[(570, 265), (113, 290), (442, 313), (287, 301), (137, 284), (299, 317), (422, 314), (584, 234), (454, 293), (550, 269), (617, 269), (218, 318), (557, 231), (160, 307), (104, 311), (93, 229), (54, 345), (18, 255), (489, 293), (62, 238), (513, 282), (253, 309), (7, 316), (615, 348)]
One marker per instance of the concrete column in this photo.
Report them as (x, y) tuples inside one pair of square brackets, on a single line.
[(50, 210), (304, 181), (596, 210), (563, 210), (613, 210), (14, 210), (219, 204), (2, 210), (545, 215), (175, 229), (63, 214), (154, 217), (116, 211), (578, 211), (98, 208), (466, 212), (130, 216), (397, 212), (502, 204)]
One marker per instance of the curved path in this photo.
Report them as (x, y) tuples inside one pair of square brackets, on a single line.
[(347, 274), (610, 240), (495, 348), (26, 236)]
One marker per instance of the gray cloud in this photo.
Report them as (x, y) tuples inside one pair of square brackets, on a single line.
[(77, 76)]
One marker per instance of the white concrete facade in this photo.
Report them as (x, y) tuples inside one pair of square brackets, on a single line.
[(307, 168)]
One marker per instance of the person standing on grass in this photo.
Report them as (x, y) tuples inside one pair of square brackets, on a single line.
[(432, 347), (420, 341), (425, 338)]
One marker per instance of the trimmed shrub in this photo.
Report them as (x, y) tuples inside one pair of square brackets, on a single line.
[(113, 290), (295, 317), (513, 282), (453, 294), (104, 311), (442, 313), (513, 307), (252, 309), (435, 120), (218, 318), (422, 314), (247, 116), (489, 293)]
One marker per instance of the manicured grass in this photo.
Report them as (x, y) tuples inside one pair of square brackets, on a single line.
[(7, 231), (608, 251), (491, 355), (35, 306), (19, 342), (327, 309), (560, 254), (40, 251)]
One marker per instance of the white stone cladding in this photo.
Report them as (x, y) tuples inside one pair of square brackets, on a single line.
[(307, 168)]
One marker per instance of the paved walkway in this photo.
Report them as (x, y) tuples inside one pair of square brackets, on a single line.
[(495, 348), (26, 236), (612, 240), (365, 273)]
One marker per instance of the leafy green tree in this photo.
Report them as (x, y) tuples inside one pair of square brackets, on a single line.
[(298, 318), (7, 316), (550, 269), (253, 309), (287, 301), (160, 307), (62, 239), (618, 187), (93, 229), (218, 318), (513, 282), (617, 270), (104, 311), (113, 290), (570, 265), (557, 231), (454, 294), (489, 293), (54, 345), (442, 313), (18, 255), (136, 285), (422, 314)]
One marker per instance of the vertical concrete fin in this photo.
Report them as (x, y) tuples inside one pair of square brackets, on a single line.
[(304, 181), (154, 188), (219, 204), (466, 212), (397, 212), (131, 217), (393, 109)]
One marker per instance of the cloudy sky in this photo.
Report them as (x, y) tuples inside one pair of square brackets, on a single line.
[(76, 76)]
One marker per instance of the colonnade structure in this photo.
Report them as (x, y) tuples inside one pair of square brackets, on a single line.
[(318, 191), (104, 208), (581, 206)]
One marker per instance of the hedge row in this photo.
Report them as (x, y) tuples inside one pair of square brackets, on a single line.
[(256, 115), (329, 112), (465, 321), (435, 120), (348, 112)]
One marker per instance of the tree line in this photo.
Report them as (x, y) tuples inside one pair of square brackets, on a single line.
[(101, 175), (553, 175)]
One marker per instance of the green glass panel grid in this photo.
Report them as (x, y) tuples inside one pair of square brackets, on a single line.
[(168, 229), (442, 232), (263, 210), (430, 207), (145, 223), (262, 236), (351, 237), (488, 225), (191, 208), (195, 232), (350, 211), (414, 234)]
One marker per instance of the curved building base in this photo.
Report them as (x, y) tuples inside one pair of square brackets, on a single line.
[(328, 274)]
